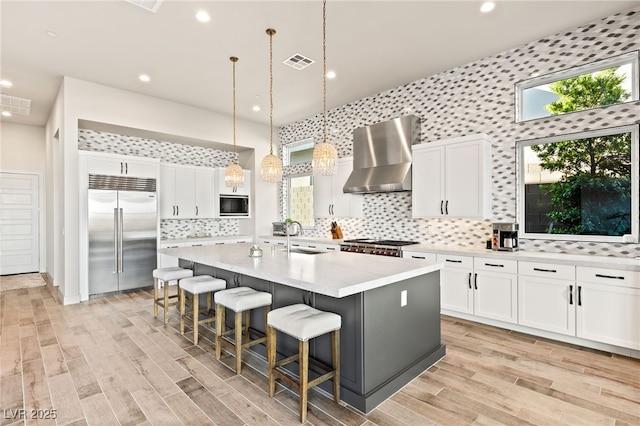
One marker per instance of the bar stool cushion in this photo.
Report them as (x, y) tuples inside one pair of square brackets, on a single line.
[(303, 322), (202, 284), (172, 274), (241, 299)]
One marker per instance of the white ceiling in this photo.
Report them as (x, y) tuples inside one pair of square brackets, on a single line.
[(372, 45)]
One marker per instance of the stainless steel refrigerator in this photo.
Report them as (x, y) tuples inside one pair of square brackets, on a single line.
[(122, 224)]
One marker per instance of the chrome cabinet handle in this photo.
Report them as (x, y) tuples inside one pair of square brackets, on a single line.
[(115, 240), (121, 226)]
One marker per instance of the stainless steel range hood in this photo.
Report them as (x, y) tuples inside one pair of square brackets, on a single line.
[(382, 156)]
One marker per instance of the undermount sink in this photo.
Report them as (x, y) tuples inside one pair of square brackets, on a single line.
[(306, 251)]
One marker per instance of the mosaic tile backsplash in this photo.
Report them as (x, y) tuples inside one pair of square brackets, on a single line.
[(479, 98), (167, 152)]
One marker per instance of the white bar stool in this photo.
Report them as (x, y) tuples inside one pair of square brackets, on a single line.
[(165, 277), (240, 300), (201, 284), (303, 323)]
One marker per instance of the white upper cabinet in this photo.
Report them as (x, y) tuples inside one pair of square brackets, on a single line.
[(121, 165), (452, 178), (186, 192), (328, 197), (222, 188), (204, 189)]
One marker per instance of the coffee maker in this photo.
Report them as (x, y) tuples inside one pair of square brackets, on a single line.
[(505, 237)]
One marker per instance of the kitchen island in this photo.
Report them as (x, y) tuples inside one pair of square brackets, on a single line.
[(390, 309)]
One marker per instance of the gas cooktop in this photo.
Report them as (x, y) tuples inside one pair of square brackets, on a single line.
[(379, 242)]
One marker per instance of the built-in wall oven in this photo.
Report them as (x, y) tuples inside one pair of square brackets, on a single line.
[(234, 205)]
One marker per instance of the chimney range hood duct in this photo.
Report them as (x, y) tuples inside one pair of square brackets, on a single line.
[(382, 156)]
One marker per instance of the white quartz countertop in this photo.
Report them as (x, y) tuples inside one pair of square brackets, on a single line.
[(332, 274), (609, 262)]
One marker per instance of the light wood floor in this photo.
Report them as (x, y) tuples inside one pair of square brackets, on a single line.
[(109, 361)]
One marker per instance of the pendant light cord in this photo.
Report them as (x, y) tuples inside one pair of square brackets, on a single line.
[(324, 67), (235, 148), (271, 32)]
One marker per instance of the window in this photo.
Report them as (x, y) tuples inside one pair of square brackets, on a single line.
[(298, 188), (301, 199), (298, 152), (582, 187), (606, 82)]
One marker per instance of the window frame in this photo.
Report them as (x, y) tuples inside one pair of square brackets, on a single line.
[(634, 129), (632, 58), (291, 147)]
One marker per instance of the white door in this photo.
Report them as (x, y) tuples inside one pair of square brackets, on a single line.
[(19, 219)]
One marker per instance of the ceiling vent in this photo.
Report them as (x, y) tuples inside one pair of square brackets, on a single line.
[(150, 5), (15, 105), (298, 61)]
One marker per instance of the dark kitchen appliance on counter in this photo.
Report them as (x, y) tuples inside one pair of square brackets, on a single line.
[(505, 237), (375, 246)]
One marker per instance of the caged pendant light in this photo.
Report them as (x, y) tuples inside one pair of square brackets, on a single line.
[(325, 155), (271, 166), (234, 175)]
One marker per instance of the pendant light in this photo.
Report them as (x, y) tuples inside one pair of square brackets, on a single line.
[(325, 155), (234, 175), (271, 167)]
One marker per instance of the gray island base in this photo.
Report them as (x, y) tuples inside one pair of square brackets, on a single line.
[(390, 320)]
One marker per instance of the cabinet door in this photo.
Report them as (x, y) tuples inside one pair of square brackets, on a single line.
[(204, 204), (463, 180), (121, 167), (608, 314), (322, 196), (344, 205), (456, 291), (167, 192), (428, 182), (547, 304), (185, 193), (496, 296)]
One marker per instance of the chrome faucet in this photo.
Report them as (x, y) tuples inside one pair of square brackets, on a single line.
[(288, 232)]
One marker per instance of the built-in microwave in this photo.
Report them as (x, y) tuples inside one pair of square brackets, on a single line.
[(234, 205)]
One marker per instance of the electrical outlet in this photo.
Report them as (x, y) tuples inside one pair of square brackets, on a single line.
[(403, 298)]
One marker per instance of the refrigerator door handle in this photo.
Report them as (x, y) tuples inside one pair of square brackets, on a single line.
[(120, 237), (115, 240)]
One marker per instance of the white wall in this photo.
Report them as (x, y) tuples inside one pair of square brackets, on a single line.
[(82, 100), (23, 150)]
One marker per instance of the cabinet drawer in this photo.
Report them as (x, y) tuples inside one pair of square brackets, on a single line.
[(608, 276), (495, 265), (430, 257), (455, 261), (547, 270)]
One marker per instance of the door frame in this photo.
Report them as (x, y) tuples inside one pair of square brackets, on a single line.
[(42, 239)]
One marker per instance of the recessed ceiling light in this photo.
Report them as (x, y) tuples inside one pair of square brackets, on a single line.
[(52, 34), (203, 16), (144, 77), (331, 74), (6, 83), (487, 6), (6, 114), (256, 108)]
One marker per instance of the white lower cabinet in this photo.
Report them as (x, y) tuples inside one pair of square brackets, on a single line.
[(495, 286), (484, 287), (608, 306), (546, 297)]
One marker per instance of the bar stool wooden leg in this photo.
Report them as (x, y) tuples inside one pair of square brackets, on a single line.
[(195, 301), (220, 310), (271, 358), (155, 297), (303, 362), (335, 359), (182, 311), (239, 333), (166, 302)]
